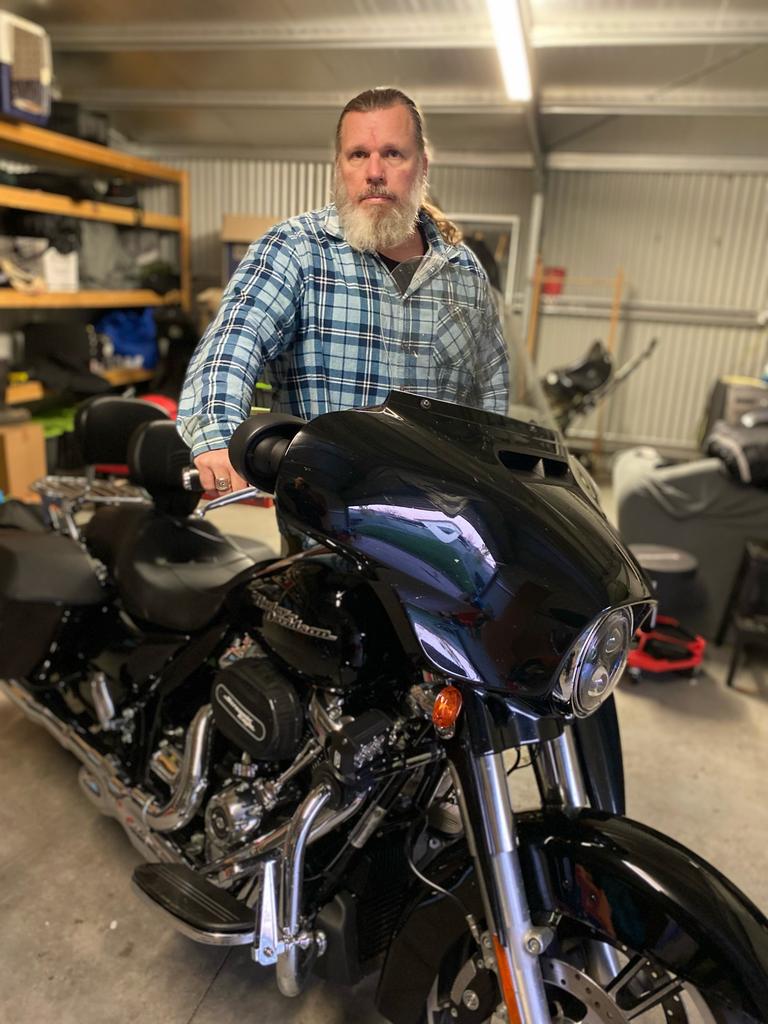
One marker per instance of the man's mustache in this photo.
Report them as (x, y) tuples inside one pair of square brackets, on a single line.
[(376, 193)]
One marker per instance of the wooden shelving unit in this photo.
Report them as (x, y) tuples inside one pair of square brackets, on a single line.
[(10, 298), (38, 146)]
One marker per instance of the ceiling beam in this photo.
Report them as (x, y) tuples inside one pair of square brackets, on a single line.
[(639, 102), (666, 163), (633, 30), (411, 32), (171, 152), (432, 101)]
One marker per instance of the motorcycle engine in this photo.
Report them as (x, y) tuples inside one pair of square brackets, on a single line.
[(257, 708)]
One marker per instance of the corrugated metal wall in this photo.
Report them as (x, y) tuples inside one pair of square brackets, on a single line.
[(693, 247), (694, 251), (282, 189)]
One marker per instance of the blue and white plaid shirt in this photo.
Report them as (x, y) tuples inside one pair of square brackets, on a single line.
[(330, 330)]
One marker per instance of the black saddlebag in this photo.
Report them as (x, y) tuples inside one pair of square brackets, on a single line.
[(41, 576)]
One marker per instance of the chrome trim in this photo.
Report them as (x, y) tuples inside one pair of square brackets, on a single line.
[(229, 499), (295, 963), (152, 846), (102, 700), (268, 792), (559, 775), (497, 837), (132, 807), (270, 943), (206, 938), (192, 782), (236, 865)]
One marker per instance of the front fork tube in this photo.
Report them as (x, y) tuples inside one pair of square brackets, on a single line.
[(561, 784), (559, 775), (483, 792)]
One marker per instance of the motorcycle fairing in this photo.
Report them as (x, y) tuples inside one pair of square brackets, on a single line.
[(497, 556), (629, 881)]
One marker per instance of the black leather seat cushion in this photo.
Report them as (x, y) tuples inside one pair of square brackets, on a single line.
[(175, 573), (105, 531)]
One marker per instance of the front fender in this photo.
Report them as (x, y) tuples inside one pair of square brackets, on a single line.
[(626, 880)]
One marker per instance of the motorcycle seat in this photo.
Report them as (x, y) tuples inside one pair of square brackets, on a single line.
[(174, 573), (589, 373)]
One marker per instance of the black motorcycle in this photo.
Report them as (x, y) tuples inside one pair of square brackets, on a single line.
[(313, 752)]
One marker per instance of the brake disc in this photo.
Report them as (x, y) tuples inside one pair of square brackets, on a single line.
[(600, 1007)]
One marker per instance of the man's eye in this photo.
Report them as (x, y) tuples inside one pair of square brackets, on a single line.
[(357, 154), (393, 154)]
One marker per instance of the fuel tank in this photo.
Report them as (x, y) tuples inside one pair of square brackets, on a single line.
[(324, 621), (475, 522)]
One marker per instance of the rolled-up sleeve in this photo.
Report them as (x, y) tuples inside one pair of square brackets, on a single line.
[(256, 321)]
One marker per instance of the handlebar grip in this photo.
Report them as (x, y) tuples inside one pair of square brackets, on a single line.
[(258, 446), (190, 479)]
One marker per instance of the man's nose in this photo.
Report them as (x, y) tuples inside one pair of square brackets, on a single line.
[(375, 168)]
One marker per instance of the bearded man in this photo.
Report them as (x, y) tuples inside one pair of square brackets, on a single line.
[(312, 305)]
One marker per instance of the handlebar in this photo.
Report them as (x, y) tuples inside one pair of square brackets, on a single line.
[(190, 479), (259, 444)]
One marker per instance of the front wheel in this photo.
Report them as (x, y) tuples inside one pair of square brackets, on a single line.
[(587, 980)]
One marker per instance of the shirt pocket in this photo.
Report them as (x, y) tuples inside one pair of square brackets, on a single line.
[(457, 337)]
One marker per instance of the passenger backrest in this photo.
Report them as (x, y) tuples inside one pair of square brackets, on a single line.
[(104, 425), (156, 457)]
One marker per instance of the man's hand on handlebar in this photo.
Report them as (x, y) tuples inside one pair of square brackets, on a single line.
[(217, 477)]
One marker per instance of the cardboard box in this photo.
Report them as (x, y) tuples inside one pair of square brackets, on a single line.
[(23, 391), (241, 227), (22, 459), (238, 230)]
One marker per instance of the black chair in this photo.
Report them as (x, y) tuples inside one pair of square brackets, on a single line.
[(747, 615)]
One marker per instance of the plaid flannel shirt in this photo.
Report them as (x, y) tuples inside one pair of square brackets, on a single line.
[(329, 329)]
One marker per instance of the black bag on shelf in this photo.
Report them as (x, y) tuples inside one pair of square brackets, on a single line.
[(75, 186), (59, 355), (63, 233)]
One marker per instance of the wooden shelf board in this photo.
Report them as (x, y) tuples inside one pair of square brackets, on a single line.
[(86, 209), (31, 143), (120, 376), (12, 299)]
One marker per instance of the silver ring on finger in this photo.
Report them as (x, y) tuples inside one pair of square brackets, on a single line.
[(222, 484)]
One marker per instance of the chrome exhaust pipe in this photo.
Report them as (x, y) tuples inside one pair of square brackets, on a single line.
[(136, 810), (153, 847), (190, 787)]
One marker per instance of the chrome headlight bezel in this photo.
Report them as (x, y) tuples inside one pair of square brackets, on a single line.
[(595, 663)]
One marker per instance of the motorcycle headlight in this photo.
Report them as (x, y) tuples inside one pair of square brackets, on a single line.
[(596, 661)]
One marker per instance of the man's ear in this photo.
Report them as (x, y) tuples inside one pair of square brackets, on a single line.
[(424, 166)]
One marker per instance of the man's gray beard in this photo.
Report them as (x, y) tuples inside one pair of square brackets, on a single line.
[(372, 230)]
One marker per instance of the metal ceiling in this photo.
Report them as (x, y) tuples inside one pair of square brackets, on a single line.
[(627, 80)]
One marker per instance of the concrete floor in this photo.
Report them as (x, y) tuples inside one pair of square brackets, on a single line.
[(76, 946)]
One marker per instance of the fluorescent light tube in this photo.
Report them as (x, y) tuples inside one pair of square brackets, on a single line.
[(510, 46)]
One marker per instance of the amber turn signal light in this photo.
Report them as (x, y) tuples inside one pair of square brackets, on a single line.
[(447, 708)]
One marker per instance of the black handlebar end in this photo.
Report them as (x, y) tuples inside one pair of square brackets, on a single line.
[(258, 445)]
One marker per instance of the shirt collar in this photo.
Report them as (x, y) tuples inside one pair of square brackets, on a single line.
[(435, 241)]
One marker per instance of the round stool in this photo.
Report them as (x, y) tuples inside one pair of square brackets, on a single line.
[(672, 572)]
